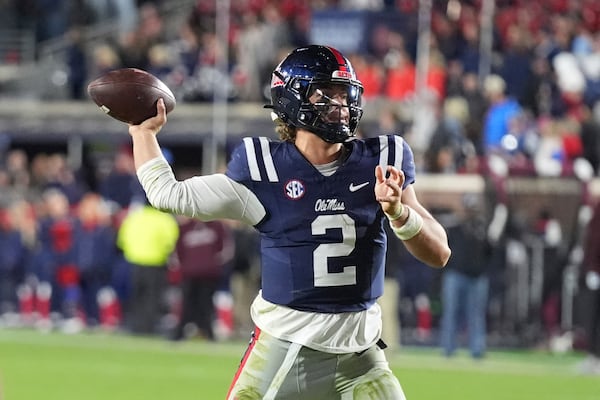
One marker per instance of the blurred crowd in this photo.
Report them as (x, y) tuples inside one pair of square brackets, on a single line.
[(538, 105), (63, 251), (74, 257)]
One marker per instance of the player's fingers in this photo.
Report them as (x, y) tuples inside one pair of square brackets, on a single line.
[(160, 118), (392, 170), (392, 173), (391, 193), (401, 178), (152, 125), (161, 113), (396, 175), (156, 122), (161, 109), (379, 174)]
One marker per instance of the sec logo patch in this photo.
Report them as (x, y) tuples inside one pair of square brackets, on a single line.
[(294, 189)]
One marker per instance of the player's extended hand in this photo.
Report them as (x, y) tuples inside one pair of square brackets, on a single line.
[(388, 191), (154, 124)]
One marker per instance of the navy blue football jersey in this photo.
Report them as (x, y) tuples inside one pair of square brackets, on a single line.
[(322, 239)]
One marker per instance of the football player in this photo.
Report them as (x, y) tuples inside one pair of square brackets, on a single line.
[(319, 198)]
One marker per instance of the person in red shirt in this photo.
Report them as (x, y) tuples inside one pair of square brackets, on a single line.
[(202, 253)]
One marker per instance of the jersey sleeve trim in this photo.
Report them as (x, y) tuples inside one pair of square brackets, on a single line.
[(387, 157), (261, 164), (252, 160), (399, 151)]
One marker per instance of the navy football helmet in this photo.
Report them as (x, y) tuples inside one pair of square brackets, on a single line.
[(311, 69)]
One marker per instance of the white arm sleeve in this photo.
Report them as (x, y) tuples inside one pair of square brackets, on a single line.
[(206, 197)]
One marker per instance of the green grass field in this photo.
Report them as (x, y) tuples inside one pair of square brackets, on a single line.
[(101, 367)]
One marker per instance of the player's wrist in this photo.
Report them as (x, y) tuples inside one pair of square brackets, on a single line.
[(399, 217), (395, 215), (411, 226), (142, 133)]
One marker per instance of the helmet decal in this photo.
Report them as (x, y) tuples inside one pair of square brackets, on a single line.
[(340, 59), (342, 74), (276, 81)]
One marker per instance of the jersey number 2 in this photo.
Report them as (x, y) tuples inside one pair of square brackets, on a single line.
[(339, 249)]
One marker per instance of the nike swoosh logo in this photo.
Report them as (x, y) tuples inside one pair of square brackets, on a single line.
[(354, 188)]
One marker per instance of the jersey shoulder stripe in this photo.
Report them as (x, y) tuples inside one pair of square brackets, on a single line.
[(394, 150), (260, 159), (391, 151)]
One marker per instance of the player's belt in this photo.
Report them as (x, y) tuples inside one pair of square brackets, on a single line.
[(380, 343)]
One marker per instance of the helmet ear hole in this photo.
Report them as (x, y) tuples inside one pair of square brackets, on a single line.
[(306, 68), (296, 85)]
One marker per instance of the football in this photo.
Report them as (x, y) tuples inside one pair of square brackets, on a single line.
[(130, 94)]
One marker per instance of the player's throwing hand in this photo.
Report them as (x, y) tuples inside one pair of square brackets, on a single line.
[(152, 125)]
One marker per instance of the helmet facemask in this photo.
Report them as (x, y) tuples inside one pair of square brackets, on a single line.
[(317, 70), (331, 110)]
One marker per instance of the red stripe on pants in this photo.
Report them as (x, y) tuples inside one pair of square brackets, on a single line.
[(244, 359)]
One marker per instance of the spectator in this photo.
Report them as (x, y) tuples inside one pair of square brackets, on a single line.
[(60, 175), (245, 275), (59, 236), (539, 91), (201, 84), (184, 50), (500, 115), (590, 277), (147, 238), (437, 75), (465, 282), (104, 58), (121, 187), (449, 148), (17, 169), (517, 61), (52, 19), (77, 64), (548, 231), (590, 140), (390, 301), (134, 44), (125, 11), (469, 51), (471, 92), (120, 288), (415, 290), (12, 262), (96, 253), (372, 75), (400, 76), (264, 33), (161, 63), (203, 251)]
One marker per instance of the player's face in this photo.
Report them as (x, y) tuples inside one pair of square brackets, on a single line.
[(332, 102)]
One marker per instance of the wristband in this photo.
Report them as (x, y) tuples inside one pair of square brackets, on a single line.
[(411, 227), (396, 215)]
